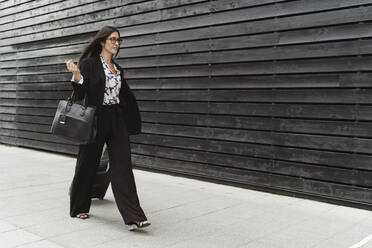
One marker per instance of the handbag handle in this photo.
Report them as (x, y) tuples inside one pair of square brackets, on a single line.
[(71, 101)]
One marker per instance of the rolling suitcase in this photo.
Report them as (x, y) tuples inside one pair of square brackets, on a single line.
[(101, 179)]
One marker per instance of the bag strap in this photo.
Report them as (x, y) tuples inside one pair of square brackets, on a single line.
[(73, 96)]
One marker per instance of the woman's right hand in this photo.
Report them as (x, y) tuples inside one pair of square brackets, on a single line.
[(72, 67)]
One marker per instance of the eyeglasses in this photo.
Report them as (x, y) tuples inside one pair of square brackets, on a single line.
[(114, 40)]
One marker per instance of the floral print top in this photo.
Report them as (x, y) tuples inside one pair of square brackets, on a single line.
[(113, 84)]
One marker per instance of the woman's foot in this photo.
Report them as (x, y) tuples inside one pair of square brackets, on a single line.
[(82, 216), (141, 224), (138, 224)]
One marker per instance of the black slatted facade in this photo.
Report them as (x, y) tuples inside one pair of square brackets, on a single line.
[(267, 93)]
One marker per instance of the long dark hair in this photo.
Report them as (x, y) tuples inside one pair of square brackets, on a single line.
[(94, 47)]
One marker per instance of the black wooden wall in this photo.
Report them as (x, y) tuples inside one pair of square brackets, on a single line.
[(260, 92)]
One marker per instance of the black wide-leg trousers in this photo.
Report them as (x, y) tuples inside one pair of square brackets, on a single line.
[(111, 129)]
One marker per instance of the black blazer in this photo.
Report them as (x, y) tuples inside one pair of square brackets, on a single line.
[(94, 85)]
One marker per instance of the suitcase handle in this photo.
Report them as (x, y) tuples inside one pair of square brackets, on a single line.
[(103, 153)]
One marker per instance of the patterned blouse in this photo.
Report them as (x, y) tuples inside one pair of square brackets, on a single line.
[(113, 84)]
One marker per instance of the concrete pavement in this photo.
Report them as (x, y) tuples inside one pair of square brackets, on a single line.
[(184, 212)]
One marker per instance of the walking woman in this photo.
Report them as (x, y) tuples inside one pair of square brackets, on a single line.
[(102, 79)]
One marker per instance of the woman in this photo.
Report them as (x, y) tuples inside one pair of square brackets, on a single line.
[(101, 79)]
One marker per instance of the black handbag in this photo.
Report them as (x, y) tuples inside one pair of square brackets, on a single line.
[(75, 121)]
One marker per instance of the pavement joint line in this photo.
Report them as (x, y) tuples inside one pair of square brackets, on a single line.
[(23, 214), (28, 243), (362, 242), (39, 191), (35, 185), (212, 212), (50, 238), (12, 230), (178, 205)]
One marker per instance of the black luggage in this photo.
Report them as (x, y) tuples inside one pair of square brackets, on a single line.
[(102, 177), (101, 180)]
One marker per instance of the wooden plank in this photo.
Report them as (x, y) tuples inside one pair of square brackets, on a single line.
[(337, 191), (350, 64), (7, 109), (328, 33), (36, 103), (341, 96), (8, 73), (43, 94), (36, 111), (323, 111), (8, 64), (8, 79), (11, 132), (52, 55), (64, 77), (44, 137), (7, 117), (47, 146), (7, 87), (337, 96), (8, 56), (7, 140), (30, 103), (7, 50), (43, 61), (183, 107), (12, 4), (45, 86), (42, 69), (34, 119), (363, 113), (338, 48), (328, 80), (311, 111), (7, 125), (7, 94), (33, 127)]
